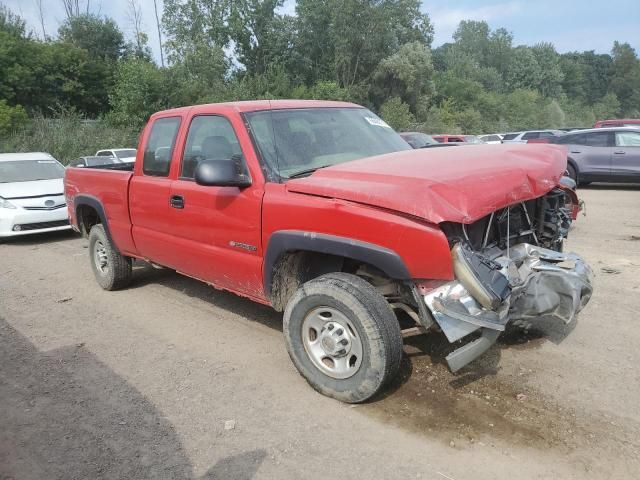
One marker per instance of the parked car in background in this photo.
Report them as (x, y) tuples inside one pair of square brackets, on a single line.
[(491, 139), (127, 155), (446, 138), (523, 137), (94, 161), (31, 194), (422, 140), (603, 154), (620, 122)]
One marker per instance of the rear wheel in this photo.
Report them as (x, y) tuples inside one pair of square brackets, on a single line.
[(343, 337), (111, 269)]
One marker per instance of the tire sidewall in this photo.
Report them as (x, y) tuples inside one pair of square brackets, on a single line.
[(370, 375), (105, 280)]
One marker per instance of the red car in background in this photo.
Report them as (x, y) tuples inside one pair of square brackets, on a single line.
[(619, 122), (445, 138)]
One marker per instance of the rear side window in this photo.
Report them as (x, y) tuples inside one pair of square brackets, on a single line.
[(627, 139), (159, 148), (546, 134), (530, 135), (210, 137), (510, 136), (600, 139)]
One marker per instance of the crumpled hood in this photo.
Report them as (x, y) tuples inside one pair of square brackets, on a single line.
[(34, 188), (461, 184)]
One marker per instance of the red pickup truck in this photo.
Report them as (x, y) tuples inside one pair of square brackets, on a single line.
[(322, 211)]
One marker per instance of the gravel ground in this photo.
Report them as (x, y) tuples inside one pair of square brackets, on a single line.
[(172, 379)]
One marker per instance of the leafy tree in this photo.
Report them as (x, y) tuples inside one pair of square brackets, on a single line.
[(551, 75), (100, 36), (524, 71), (138, 92), (261, 36), (625, 78), (397, 114), (406, 74)]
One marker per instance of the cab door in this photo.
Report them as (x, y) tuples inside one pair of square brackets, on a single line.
[(216, 230), (149, 193)]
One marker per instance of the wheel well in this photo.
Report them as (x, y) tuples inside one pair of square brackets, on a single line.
[(294, 268), (87, 217)]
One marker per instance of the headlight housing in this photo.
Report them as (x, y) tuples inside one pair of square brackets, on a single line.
[(6, 203)]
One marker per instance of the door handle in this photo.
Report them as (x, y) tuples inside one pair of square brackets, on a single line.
[(576, 151), (176, 201), (619, 152)]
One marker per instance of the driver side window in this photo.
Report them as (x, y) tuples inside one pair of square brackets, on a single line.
[(210, 137)]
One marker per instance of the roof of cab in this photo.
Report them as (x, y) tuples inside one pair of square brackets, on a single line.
[(12, 157), (257, 105)]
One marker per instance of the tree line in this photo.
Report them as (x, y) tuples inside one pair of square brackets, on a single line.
[(377, 53)]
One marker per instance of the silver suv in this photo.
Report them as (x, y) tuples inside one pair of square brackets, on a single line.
[(603, 154)]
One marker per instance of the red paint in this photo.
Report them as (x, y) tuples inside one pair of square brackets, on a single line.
[(441, 184), (394, 201)]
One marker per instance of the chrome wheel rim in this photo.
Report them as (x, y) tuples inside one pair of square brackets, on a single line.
[(100, 257), (332, 342)]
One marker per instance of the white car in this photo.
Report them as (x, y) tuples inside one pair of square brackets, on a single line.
[(524, 137), (31, 194), (491, 139), (126, 155)]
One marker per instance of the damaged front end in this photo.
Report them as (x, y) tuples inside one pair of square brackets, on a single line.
[(500, 276)]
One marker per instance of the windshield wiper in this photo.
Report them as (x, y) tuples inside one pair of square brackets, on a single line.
[(308, 171)]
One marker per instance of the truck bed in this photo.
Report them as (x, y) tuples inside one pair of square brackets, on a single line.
[(109, 189)]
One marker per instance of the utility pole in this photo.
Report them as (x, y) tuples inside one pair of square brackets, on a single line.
[(155, 6)]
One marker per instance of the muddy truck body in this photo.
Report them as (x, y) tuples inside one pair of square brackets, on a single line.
[(320, 210)]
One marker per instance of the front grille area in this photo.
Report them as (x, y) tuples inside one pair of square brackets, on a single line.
[(56, 207), (40, 225)]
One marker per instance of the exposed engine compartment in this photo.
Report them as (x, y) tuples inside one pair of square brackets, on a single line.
[(509, 265), (543, 222)]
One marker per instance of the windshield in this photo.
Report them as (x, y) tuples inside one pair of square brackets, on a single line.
[(128, 153), (418, 140), (291, 141), (30, 170), (95, 161)]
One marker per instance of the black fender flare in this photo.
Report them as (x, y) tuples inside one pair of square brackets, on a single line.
[(93, 202), (284, 241)]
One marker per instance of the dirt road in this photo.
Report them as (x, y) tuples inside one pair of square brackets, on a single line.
[(171, 379)]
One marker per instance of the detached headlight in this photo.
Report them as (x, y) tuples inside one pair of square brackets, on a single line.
[(480, 276), (6, 203)]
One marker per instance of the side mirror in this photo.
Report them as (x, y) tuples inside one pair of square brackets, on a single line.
[(220, 173)]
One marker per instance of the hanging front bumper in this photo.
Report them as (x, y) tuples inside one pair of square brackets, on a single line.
[(495, 287)]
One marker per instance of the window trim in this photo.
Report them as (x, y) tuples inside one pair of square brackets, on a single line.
[(172, 147)]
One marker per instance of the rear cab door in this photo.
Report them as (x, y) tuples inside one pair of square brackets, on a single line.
[(625, 161), (150, 188)]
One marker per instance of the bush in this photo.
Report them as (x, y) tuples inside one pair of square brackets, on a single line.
[(397, 114), (68, 137), (11, 118)]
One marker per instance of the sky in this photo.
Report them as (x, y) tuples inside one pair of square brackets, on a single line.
[(569, 24)]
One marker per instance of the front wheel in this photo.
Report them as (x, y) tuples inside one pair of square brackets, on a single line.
[(343, 337), (112, 270)]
